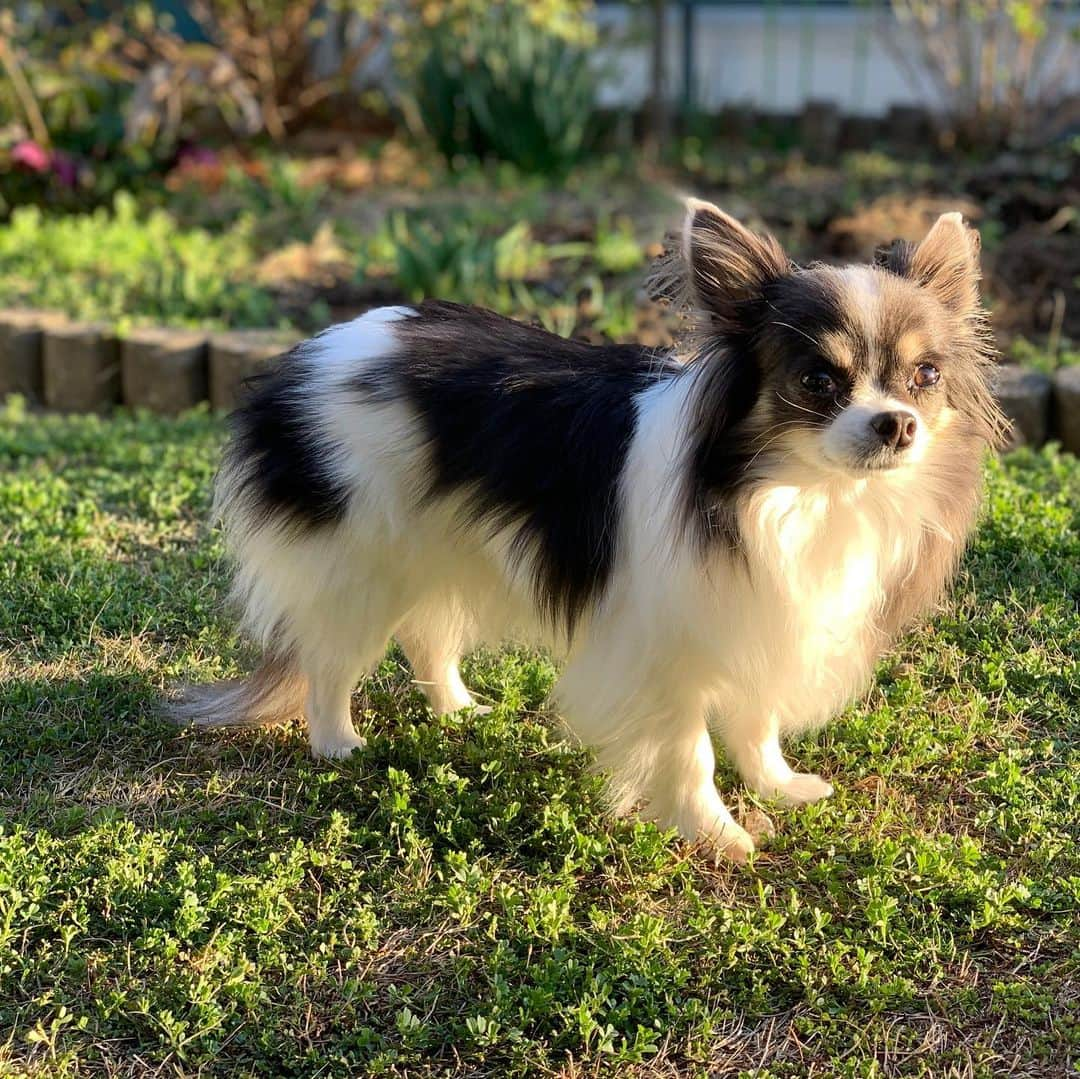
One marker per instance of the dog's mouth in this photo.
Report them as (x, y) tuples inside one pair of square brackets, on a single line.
[(854, 460), (873, 462), (857, 458), (879, 461)]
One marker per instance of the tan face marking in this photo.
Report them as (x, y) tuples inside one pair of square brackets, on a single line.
[(911, 347), (837, 348)]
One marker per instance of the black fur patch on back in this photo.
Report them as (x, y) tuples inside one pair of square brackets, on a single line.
[(534, 427), (282, 463)]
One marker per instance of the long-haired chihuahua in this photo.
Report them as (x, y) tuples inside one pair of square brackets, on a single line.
[(719, 539)]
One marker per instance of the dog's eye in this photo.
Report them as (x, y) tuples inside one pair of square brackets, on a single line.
[(926, 374), (819, 382)]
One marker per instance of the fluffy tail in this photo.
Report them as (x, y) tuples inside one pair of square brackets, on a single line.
[(273, 694)]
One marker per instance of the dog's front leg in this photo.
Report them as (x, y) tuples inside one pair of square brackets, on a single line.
[(752, 741), (650, 736), (682, 792)]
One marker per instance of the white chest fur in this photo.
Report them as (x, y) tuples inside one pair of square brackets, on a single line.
[(803, 613)]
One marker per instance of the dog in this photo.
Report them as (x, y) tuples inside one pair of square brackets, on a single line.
[(721, 538)]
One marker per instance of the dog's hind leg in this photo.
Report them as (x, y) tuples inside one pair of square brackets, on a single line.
[(335, 653), (433, 638)]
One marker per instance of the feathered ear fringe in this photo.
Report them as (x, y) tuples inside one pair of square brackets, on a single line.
[(714, 267), (669, 281), (668, 278)]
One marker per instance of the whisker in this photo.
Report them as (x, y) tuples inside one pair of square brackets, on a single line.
[(789, 423), (810, 411), (788, 326), (782, 457), (782, 430)]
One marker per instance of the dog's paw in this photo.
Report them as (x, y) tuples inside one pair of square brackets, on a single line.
[(731, 842), (705, 823), (723, 838), (799, 789), (337, 749), (760, 826)]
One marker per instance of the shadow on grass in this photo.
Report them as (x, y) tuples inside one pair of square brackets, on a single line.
[(75, 752)]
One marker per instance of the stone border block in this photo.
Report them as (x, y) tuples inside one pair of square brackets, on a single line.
[(859, 132), (238, 355), (910, 125), (1024, 396), (81, 367), (1067, 408), (22, 334), (164, 370), (819, 128)]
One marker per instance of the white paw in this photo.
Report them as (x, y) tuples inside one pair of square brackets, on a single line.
[(455, 704), (799, 789), (730, 841), (719, 834), (337, 749)]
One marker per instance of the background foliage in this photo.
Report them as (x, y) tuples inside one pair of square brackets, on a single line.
[(514, 81)]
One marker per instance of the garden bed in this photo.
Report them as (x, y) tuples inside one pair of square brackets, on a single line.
[(291, 242), (300, 239)]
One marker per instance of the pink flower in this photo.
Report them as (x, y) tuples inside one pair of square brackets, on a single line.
[(30, 155)]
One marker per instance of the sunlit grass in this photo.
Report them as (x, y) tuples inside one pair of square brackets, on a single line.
[(452, 900)]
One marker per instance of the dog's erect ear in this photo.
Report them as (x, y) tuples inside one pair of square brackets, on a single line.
[(728, 265), (947, 263)]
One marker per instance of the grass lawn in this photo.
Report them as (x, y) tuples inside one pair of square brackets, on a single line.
[(451, 901)]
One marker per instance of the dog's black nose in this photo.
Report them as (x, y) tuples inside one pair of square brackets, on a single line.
[(895, 429)]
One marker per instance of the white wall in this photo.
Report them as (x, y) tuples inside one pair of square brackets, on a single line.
[(779, 57)]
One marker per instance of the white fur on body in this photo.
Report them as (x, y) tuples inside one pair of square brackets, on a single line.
[(755, 644)]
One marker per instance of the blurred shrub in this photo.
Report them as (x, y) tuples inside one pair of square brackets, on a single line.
[(58, 90), (510, 80), (257, 62), (456, 260), (562, 286), (63, 99), (116, 78), (1046, 358), (999, 66), (121, 268)]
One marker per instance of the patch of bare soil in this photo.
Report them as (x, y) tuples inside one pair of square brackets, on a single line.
[(892, 217), (1034, 279)]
